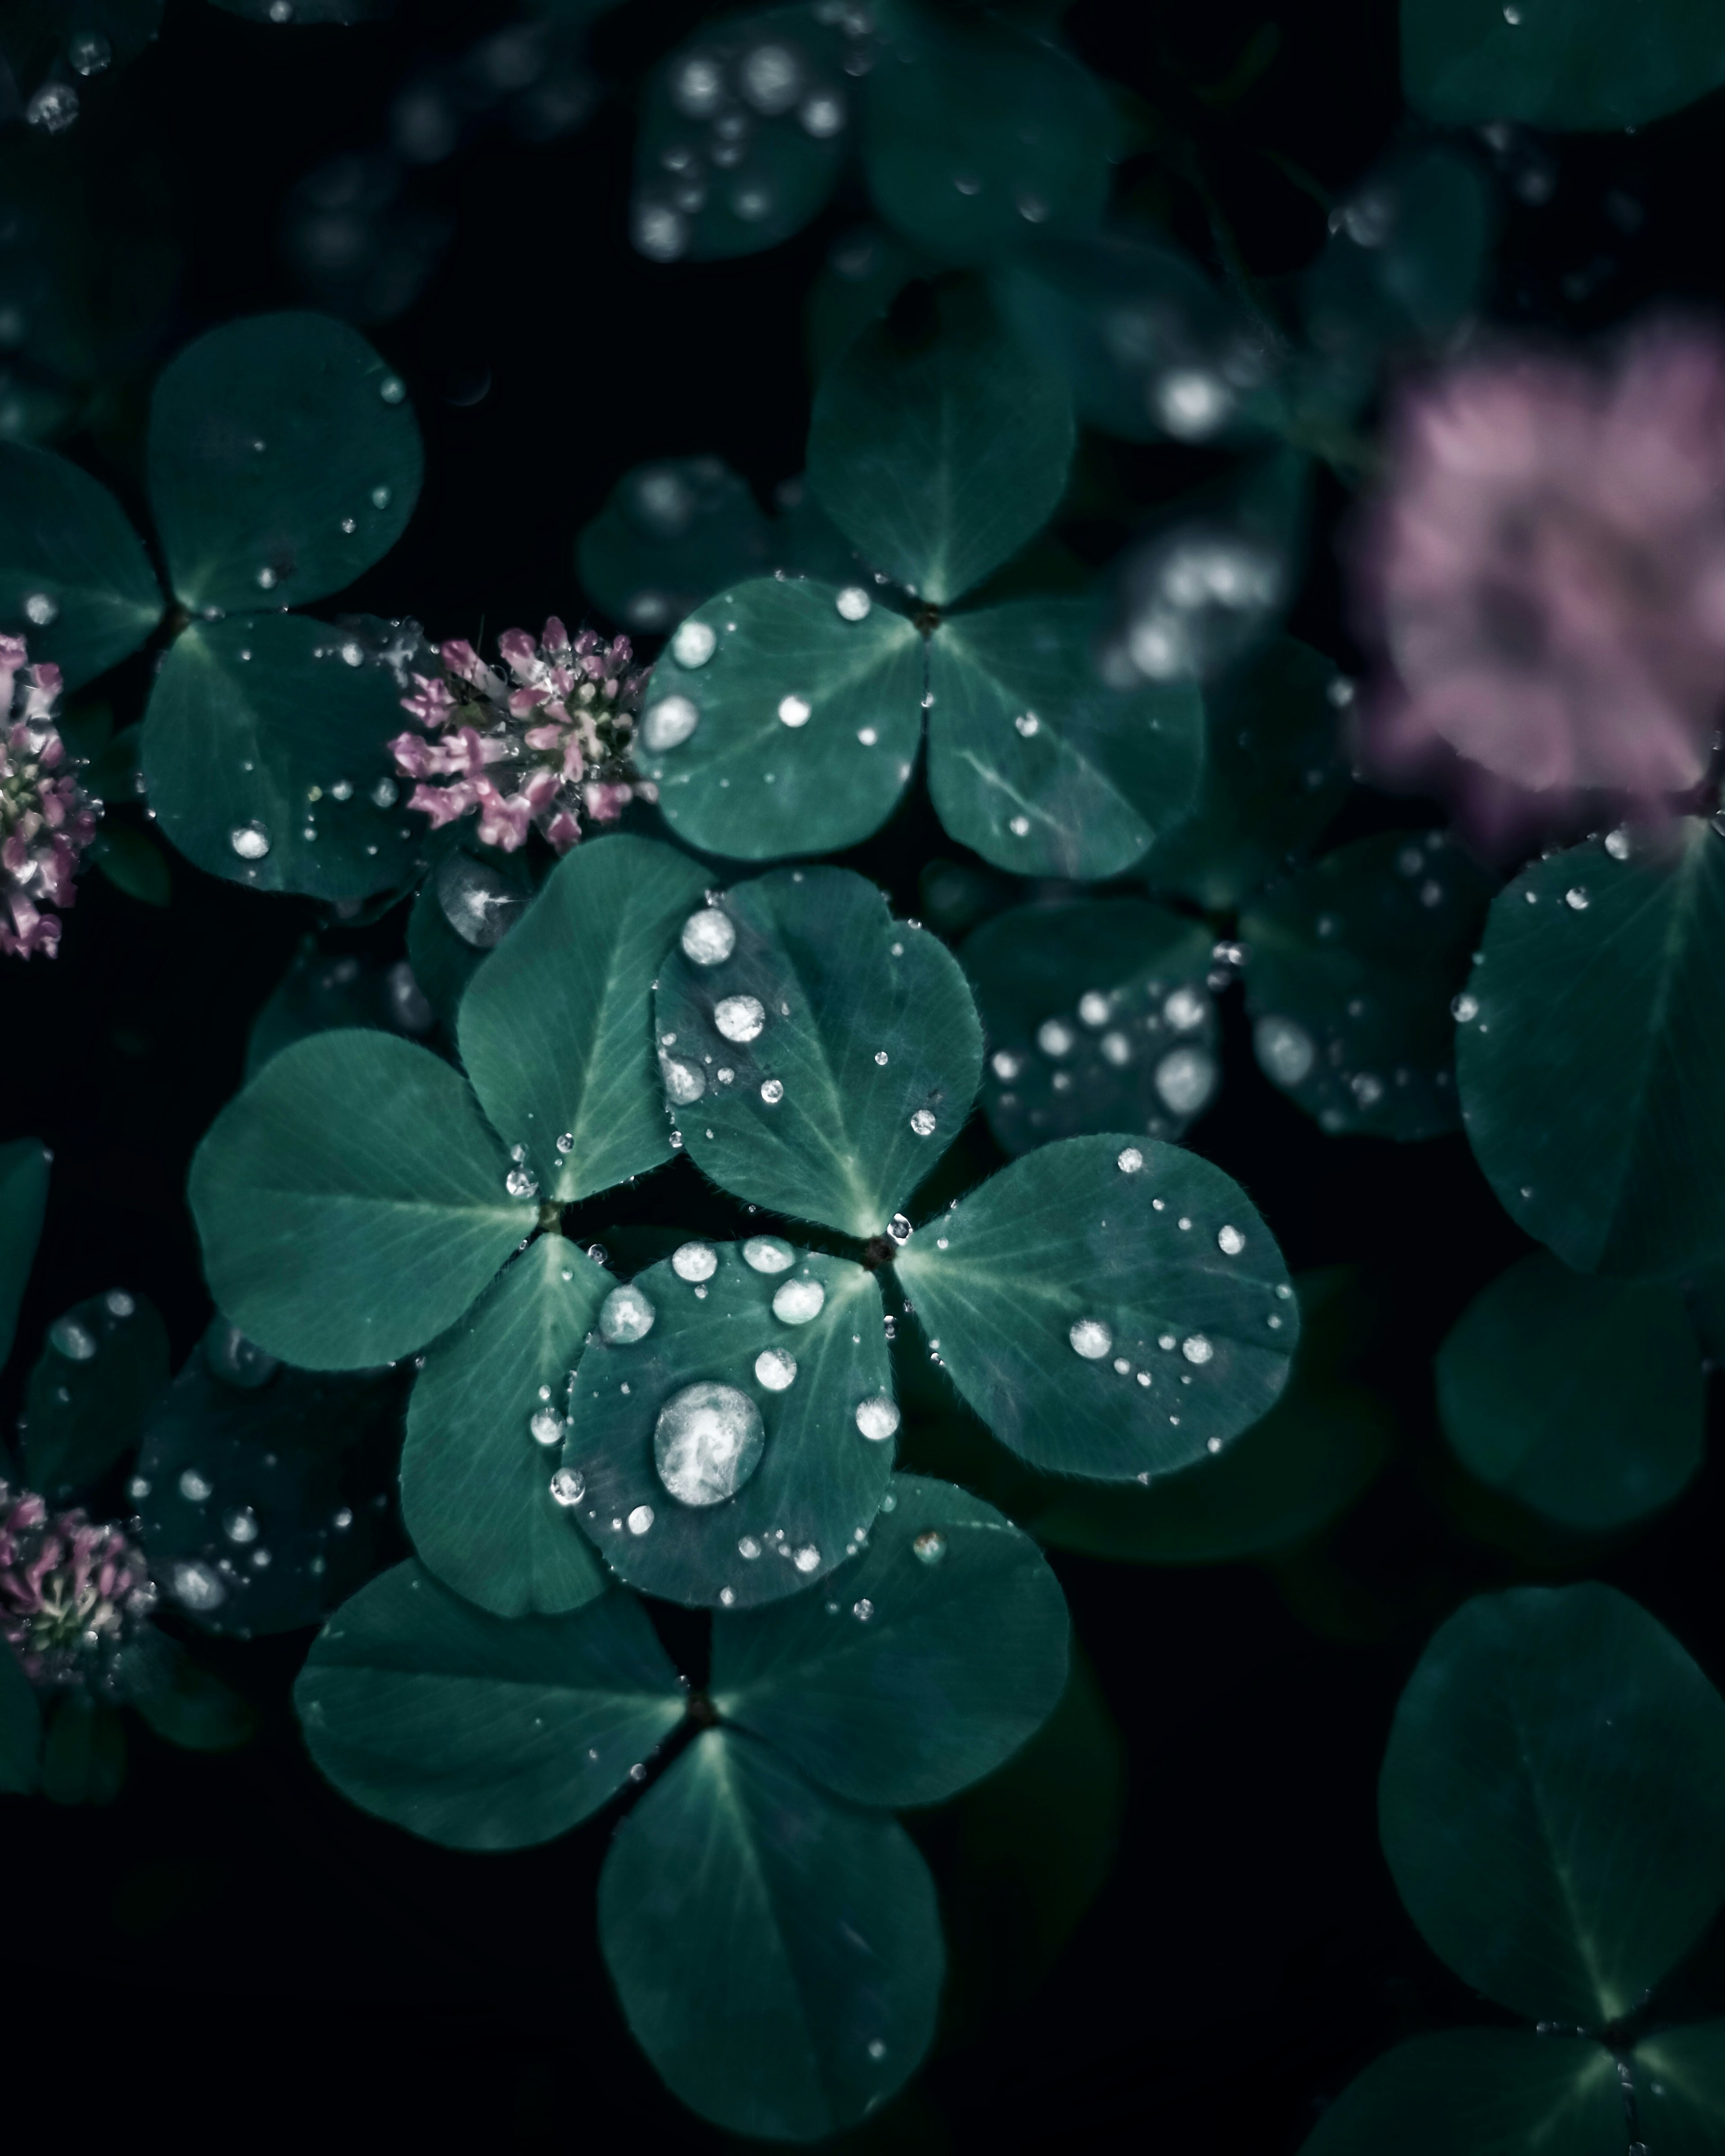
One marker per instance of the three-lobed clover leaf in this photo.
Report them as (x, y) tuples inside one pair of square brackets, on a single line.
[(1553, 1809), (283, 461), (785, 715), (1589, 1033), (360, 1197), (771, 1931), (1110, 1306)]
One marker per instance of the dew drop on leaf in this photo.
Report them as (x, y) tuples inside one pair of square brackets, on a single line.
[(798, 1301), (694, 1261), (877, 1417), (709, 936), (766, 1254), (739, 1017), (693, 645), (1091, 1338), (625, 1315), (568, 1487), (250, 841), (931, 1545), (707, 1442), (775, 1369)]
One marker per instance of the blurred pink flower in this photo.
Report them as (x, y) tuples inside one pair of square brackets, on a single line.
[(535, 747), (71, 1592), (1545, 571), (46, 818)]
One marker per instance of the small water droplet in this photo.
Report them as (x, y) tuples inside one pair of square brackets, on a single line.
[(807, 1559), (519, 1184), (1019, 826), (250, 841), (794, 710), (641, 1518), (1465, 1007), (1285, 1051), (73, 1338), (546, 1426), (748, 1547), (694, 643), (240, 1525), (1575, 898), (1229, 1241), (197, 1586), (568, 1487), (772, 1091), (922, 1122), (931, 1545), (1617, 845), (194, 1488), (41, 608)]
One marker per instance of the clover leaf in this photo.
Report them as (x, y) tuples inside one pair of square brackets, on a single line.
[(100, 1372), (1552, 1801), (1582, 1397), (1606, 964), (23, 1200), (283, 461), (784, 715), (1551, 1807), (1466, 62), (785, 1980)]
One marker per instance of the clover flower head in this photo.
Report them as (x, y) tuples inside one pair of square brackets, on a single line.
[(1546, 570), (543, 743), (74, 1593), (47, 818)]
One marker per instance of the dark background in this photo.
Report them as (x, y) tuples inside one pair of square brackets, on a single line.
[(231, 1950)]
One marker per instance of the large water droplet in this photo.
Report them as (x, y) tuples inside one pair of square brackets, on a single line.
[(707, 1442), (1284, 1050), (197, 1586), (794, 710), (853, 603), (1230, 1241), (683, 1082), (1196, 1349), (797, 1302), (709, 936), (922, 1122), (1465, 1007), (668, 721), (768, 1254), (1129, 1160), (640, 1519), (42, 608), (521, 1182), (694, 1261), (775, 1369), (1185, 1078), (250, 841), (625, 1315), (877, 1417), (74, 1339), (694, 643), (739, 1017), (1091, 1338)]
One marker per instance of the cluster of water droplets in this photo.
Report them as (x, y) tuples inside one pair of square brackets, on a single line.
[(757, 114), (1141, 1056)]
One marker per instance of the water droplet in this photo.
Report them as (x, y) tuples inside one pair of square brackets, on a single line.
[(853, 603), (709, 936), (546, 1426), (1229, 1241), (694, 643), (568, 1487), (707, 1442), (808, 1558), (52, 108), (1575, 898), (1129, 1160), (89, 52), (267, 580), (519, 1184), (683, 1082), (666, 723), (625, 1315), (391, 389), (739, 1017), (240, 1525), (694, 1261), (775, 1369), (922, 1122), (772, 1091), (250, 841), (1367, 1088), (877, 1417), (1465, 1007), (1185, 1078), (798, 1301), (881, 1057), (1091, 1338), (748, 1547), (381, 497), (1054, 1038), (1196, 1349), (118, 1303), (1019, 826), (727, 1595), (641, 1518), (766, 1254), (74, 1339), (1284, 1050), (1617, 845), (1184, 1010), (1027, 724), (1192, 404), (197, 1586), (931, 1545), (193, 1487), (42, 609), (862, 1609)]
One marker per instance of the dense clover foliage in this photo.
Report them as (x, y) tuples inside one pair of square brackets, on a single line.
[(667, 1303)]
